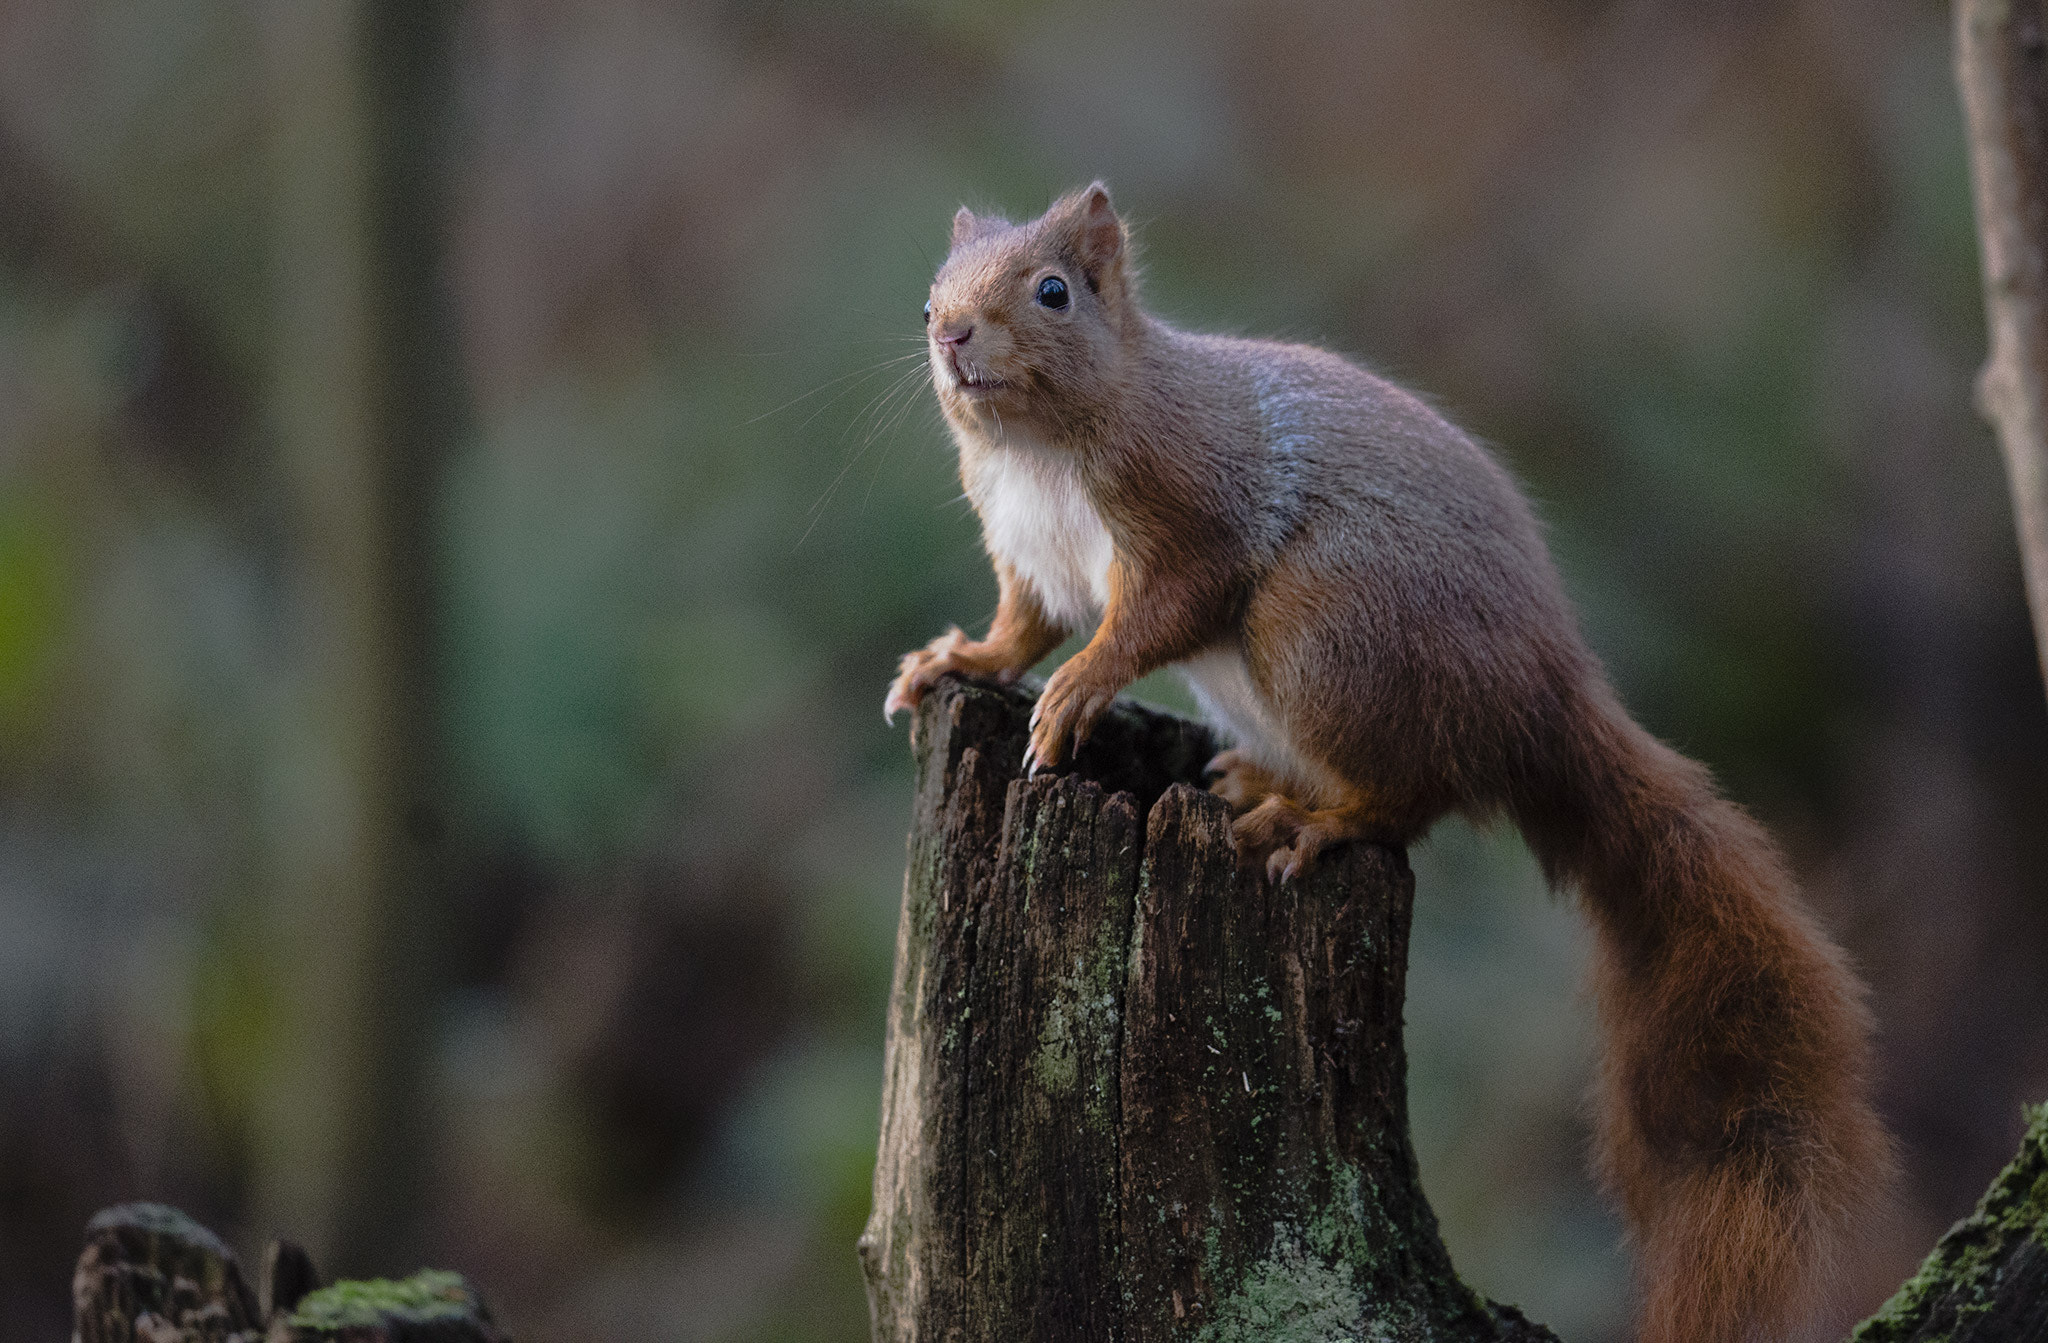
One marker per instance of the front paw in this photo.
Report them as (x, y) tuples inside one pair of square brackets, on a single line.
[(1067, 712), (919, 669)]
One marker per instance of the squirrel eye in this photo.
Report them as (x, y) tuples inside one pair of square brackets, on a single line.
[(1052, 292), (927, 312)]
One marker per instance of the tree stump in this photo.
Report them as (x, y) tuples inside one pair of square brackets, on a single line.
[(150, 1274), (1133, 1090)]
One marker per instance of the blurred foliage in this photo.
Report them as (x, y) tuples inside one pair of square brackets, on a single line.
[(1704, 273)]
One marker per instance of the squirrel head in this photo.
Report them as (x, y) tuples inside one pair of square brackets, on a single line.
[(1029, 324)]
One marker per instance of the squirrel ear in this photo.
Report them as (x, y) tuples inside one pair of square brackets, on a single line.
[(965, 226), (1098, 233)]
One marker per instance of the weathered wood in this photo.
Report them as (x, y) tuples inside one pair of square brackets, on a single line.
[(150, 1274), (1040, 1170), (1266, 1161), (288, 1276), (1133, 1090)]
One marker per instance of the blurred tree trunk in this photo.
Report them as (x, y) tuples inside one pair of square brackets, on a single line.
[(364, 409), (2002, 66)]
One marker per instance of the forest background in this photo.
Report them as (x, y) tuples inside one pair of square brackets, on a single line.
[(445, 814)]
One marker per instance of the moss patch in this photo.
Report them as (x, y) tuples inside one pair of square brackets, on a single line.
[(1961, 1278), (426, 1296)]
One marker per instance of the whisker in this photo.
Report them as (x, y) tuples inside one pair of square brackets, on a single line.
[(862, 373), (816, 513), (928, 265), (889, 401), (872, 373), (886, 432), (903, 412)]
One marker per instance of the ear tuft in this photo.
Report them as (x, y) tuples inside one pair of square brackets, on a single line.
[(965, 226), (1098, 233)]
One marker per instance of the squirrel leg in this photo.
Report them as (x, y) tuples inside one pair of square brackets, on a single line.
[(1242, 784), (1153, 617), (1290, 835), (1019, 636)]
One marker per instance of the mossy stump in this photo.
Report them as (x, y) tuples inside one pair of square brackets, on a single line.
[(1134, 1091), (150, 1274)]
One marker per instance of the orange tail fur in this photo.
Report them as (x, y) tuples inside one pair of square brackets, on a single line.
[(1733, 1124)]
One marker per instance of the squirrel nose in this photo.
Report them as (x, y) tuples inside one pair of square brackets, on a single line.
[(955, 339)]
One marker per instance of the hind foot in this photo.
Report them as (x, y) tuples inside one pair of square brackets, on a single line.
[(1243, 785), (1289, 836)]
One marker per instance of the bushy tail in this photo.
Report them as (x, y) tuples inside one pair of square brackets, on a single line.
[(1734, 1124)]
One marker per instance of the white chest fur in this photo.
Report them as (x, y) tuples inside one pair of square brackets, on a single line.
[(1036, 518)]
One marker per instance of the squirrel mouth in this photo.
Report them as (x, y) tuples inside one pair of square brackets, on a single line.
[(973, 381)]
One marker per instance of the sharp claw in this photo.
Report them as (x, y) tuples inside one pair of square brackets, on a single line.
[(1035, 711)]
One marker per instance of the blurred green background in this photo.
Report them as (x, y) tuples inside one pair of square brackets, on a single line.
[(458, 517)]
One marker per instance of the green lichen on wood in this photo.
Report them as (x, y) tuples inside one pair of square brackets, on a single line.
[(1961, 1280), (1055, 1065), (1080, 1021), (1322, 1279), (1338, 1227), (1306, 1287), (1083, 1020), (1290, 1296), (425, 1297)]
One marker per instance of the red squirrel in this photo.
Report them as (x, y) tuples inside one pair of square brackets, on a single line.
[(1362, 603)]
